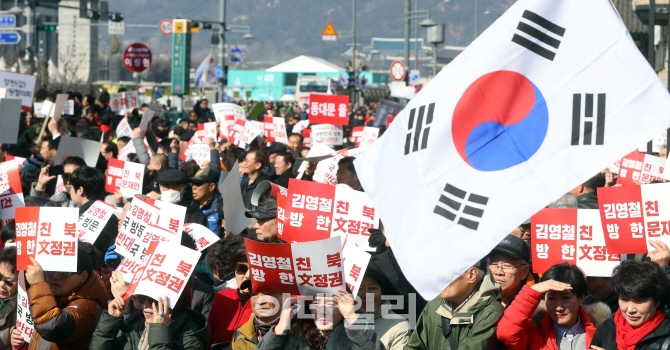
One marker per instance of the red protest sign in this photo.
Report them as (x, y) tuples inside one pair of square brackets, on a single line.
[(137, 57), (641, 167), (123, 176), (49, 235), (632, 215), (296, 268), (574, 236), (328, 109), (364, 136), (275, 130), (11, 193), (317, 211)]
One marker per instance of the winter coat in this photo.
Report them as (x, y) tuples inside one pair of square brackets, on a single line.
[(188, 330), (248, 189), (227, 315), (245, 337), (7, 323), (67, 321), (59, 198), (588, 201), (193, 214), (202, 296), (473, 327), (360, 335), (392, 329), (516, 331), (659, 339)]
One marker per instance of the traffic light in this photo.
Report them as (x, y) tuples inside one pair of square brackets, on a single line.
[(225, 75), (93, 15), (116, 17), (48, 28)]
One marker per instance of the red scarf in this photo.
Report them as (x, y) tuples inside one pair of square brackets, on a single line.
[(627, 338)]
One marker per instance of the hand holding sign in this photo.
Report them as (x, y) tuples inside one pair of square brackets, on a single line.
[(34, 272), (118, 285), (660, 254), (285, 318)]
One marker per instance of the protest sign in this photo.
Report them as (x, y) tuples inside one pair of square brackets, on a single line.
[(93, 221), (124, 129), (326, 170), (275, 130), (202, 235), (330, 135), (59, 106), (364, 136), (316, 154), (60, 185), (227, 114), (47, 109), (69, 108), (146, 119), (233, 204), (317, 211), (633, 215), (306, 137), (198, 146), (243, 132), (145, 223), (11, 193), (328, 109), (21, 86), (13, 162), (296, 268), (641, 167), (300, 126), (176, 215), (265, 190), (165, 272), (355, 261), (24, 318), (78, 147), (10, 117), (130, 148), (127, 177), (128, 100), (386, 112), (574, 236), (49, 235), (37, 109), (128, 268)]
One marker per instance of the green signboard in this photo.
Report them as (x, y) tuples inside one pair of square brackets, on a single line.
[(181, 56)]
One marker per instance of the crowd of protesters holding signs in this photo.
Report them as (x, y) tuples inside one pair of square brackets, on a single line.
[(261, 225)]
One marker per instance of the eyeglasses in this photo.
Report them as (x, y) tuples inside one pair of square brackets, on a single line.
[(241, 268), (504, 267), (143, 298), (60, 275)]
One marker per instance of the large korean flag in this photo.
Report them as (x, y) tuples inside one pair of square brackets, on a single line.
[(552, 93)]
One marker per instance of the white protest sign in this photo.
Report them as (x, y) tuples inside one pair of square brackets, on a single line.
[(11, 193), (10, 117), (47, 109), (93, 221), (198, 152), (327, 134), (146, 118), (21, 86), (227, 114), (24, 318), (69, 108), (202, 235), (127, 177), (61, 100), (129, 99), (78, 147), (355, 261), (124, 129), (319, 149), (130, 148), (165, 272)]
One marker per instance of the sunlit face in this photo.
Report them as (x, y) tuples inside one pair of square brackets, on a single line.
[(663, 153), (63, 283), (563, 307), (294, 143), (637, 311), (250, 163), (326, 313), (281, 166), (523, 232), (266, 228), (346, 176), (370, 290), (508, 272), (9, 282), (146, 306), (266, 307), (120, 144), (203, 190)]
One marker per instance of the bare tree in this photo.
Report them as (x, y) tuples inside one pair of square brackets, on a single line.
[(68, 66)]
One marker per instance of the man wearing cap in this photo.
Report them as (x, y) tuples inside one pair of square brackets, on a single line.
[(266, 219), (272, 150), (206, 197), (162, 129), (509, 263), (172, 183)]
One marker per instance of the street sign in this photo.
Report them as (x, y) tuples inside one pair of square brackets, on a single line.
[(181, 56), (398, 71), (8, 21), (116, 28), (137, 57), (165, 26), (219, 72), (7, 38), (414, 76), (329, 33)]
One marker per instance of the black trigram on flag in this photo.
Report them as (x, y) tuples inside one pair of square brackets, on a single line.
[(466, 212), (588, 120), (550, 42), (418, 129)]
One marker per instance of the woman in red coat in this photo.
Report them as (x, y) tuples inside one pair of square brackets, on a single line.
[(231, 307), (563, 288)]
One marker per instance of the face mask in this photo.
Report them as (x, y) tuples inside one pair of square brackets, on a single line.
[(171, 196)]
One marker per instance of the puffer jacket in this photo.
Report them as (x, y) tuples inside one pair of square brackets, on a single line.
[(67, 321), (7, 323), (516, 330), (473, 326), (188, 330), (360, 335), (245, 337)]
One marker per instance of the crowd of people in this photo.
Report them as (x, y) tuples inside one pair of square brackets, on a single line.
[(497, 303)]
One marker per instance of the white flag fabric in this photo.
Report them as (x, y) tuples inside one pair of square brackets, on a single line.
[(547, 97), (202, 70)]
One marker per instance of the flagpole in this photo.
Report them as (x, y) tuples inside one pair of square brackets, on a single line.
[(204, 84)]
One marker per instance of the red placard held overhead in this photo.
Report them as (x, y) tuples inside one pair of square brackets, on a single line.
[(137, 57), (328, 109)]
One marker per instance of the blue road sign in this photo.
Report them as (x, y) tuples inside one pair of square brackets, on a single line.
[(219, 72), (8, 21), (9, 38)]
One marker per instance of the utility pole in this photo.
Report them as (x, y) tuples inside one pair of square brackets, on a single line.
[(408, 9), (353, 46), (222, 45), (416, 37)]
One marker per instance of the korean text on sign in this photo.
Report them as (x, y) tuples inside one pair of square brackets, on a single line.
[(93, 221), (202, 235), (124, 176), (328, 109), (24, 318), (11, 193)]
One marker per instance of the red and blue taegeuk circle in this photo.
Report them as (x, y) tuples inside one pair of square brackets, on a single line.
[(500, 121)]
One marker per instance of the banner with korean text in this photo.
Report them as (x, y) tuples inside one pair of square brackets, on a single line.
[(328, 109), (93, 221), (202, 235), (124, 176), (11, 192)]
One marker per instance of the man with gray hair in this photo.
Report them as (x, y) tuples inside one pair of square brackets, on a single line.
[(567, 201)]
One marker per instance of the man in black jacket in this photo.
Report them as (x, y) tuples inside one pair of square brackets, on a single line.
[(172, 183), (254, 162), (284, 169), (586, 193)]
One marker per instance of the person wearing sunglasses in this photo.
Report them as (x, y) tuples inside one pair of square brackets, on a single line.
[(8, 286), (231, 307), (64, 305), (151, 325), (39, 188)]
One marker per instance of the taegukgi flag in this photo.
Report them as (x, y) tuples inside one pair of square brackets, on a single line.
[(544, 99), (206, 72)]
